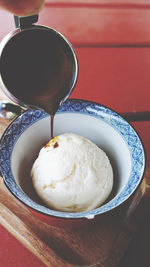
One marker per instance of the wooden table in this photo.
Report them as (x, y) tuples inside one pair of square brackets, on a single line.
[(112, 42)]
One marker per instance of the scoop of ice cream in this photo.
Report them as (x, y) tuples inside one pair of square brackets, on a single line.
[(72, 174)]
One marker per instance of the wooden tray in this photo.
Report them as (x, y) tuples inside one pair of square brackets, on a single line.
[(101, 243)]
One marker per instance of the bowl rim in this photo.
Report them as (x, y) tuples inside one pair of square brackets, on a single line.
[(81, 106)]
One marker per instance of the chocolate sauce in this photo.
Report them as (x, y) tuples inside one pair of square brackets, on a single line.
[(36, 68), (52, 125)]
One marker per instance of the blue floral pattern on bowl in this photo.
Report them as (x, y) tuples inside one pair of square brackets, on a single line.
[(21, 123)]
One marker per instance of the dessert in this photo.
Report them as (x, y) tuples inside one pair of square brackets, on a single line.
[(72, 174)]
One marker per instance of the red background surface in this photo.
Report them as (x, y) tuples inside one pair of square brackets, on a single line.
[(112, 42)]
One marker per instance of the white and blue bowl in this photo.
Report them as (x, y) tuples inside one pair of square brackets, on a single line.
[(23, 138)]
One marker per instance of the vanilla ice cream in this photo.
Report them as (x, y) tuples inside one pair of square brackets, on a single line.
[(72, 174)]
